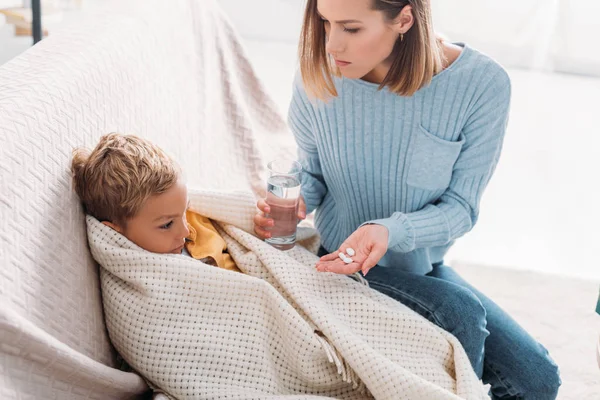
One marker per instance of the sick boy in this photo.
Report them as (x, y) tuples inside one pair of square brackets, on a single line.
[(133, 187)]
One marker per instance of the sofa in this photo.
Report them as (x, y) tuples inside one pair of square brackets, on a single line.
[(173, 72)]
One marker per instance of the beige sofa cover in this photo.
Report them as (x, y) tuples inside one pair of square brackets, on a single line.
[(171, 71)]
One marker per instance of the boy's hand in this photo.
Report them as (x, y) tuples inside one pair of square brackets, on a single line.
[(262, 224), (370, 243)]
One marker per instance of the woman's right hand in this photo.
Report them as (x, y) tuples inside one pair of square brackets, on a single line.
[(262, 224)]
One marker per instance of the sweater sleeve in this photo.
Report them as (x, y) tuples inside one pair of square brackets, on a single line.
[(313, 184), (456, 211)]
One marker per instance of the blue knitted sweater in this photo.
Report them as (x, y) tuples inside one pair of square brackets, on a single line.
[(417, 165)]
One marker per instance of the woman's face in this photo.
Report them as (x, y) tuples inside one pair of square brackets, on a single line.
[(359, 38)]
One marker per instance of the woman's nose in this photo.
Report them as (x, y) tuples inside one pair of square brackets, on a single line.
[(334, 45)]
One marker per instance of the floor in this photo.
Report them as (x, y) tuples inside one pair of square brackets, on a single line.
[(556, 311)]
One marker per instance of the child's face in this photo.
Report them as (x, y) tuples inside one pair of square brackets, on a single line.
[(160, 225)]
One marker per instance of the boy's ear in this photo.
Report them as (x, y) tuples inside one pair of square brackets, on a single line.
[(113, 226)]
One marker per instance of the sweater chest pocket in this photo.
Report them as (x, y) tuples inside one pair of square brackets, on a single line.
[(432, 160)]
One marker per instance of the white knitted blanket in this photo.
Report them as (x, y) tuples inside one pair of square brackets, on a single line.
[(279, 329)]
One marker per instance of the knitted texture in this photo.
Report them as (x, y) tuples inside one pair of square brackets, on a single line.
[(417, 165), (280, 328), (173, 72)]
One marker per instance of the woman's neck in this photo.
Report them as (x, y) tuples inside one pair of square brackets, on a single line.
[(378, 74)]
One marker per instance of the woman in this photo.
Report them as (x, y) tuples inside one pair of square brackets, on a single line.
[(399, 133)]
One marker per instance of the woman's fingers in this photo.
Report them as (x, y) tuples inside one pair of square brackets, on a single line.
[(260, 219), (329, 257), (262, 223), (263, 206), (334, 263), (368, 244), (377, 252), (301, 208), (338, 267), (336, 255), (261, 233)]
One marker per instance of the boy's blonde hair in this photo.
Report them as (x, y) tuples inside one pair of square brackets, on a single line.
[(115, 179)]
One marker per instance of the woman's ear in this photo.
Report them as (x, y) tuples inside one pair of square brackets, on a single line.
[(113, 226), (404, 20)]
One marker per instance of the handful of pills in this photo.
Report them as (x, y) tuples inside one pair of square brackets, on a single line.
[(350, 251)]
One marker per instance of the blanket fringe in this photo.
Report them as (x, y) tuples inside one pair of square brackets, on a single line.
[(359, 278), (343, 369)]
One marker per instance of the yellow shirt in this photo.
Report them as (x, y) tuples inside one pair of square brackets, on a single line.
[(204, 241)]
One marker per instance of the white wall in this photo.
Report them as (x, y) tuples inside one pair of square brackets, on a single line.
[(10, 3), (577, 34), (550, 35), (272, 20)]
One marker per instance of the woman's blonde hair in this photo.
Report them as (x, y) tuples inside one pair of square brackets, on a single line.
[(115, 179), (416, 58)]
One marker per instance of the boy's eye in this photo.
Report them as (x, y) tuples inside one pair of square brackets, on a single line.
[(167, 225)]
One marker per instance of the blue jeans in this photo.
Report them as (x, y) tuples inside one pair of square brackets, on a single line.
[(501, 352)]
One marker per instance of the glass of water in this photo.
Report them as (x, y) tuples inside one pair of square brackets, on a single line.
[(283, 192)]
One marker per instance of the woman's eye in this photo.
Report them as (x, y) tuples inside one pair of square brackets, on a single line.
[(355, 30), (167, 225)]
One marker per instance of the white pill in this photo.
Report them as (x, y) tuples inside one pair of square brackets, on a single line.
[(344, 258), (350, 251)]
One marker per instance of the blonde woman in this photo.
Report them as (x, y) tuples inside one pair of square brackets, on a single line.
[(399, 133)]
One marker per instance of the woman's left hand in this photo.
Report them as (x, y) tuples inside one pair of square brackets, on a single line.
[(369, 242)]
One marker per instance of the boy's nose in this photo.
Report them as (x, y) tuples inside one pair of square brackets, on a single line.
[(186, 231)]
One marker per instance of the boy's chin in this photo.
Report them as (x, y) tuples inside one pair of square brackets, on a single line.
[(178, 250)]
